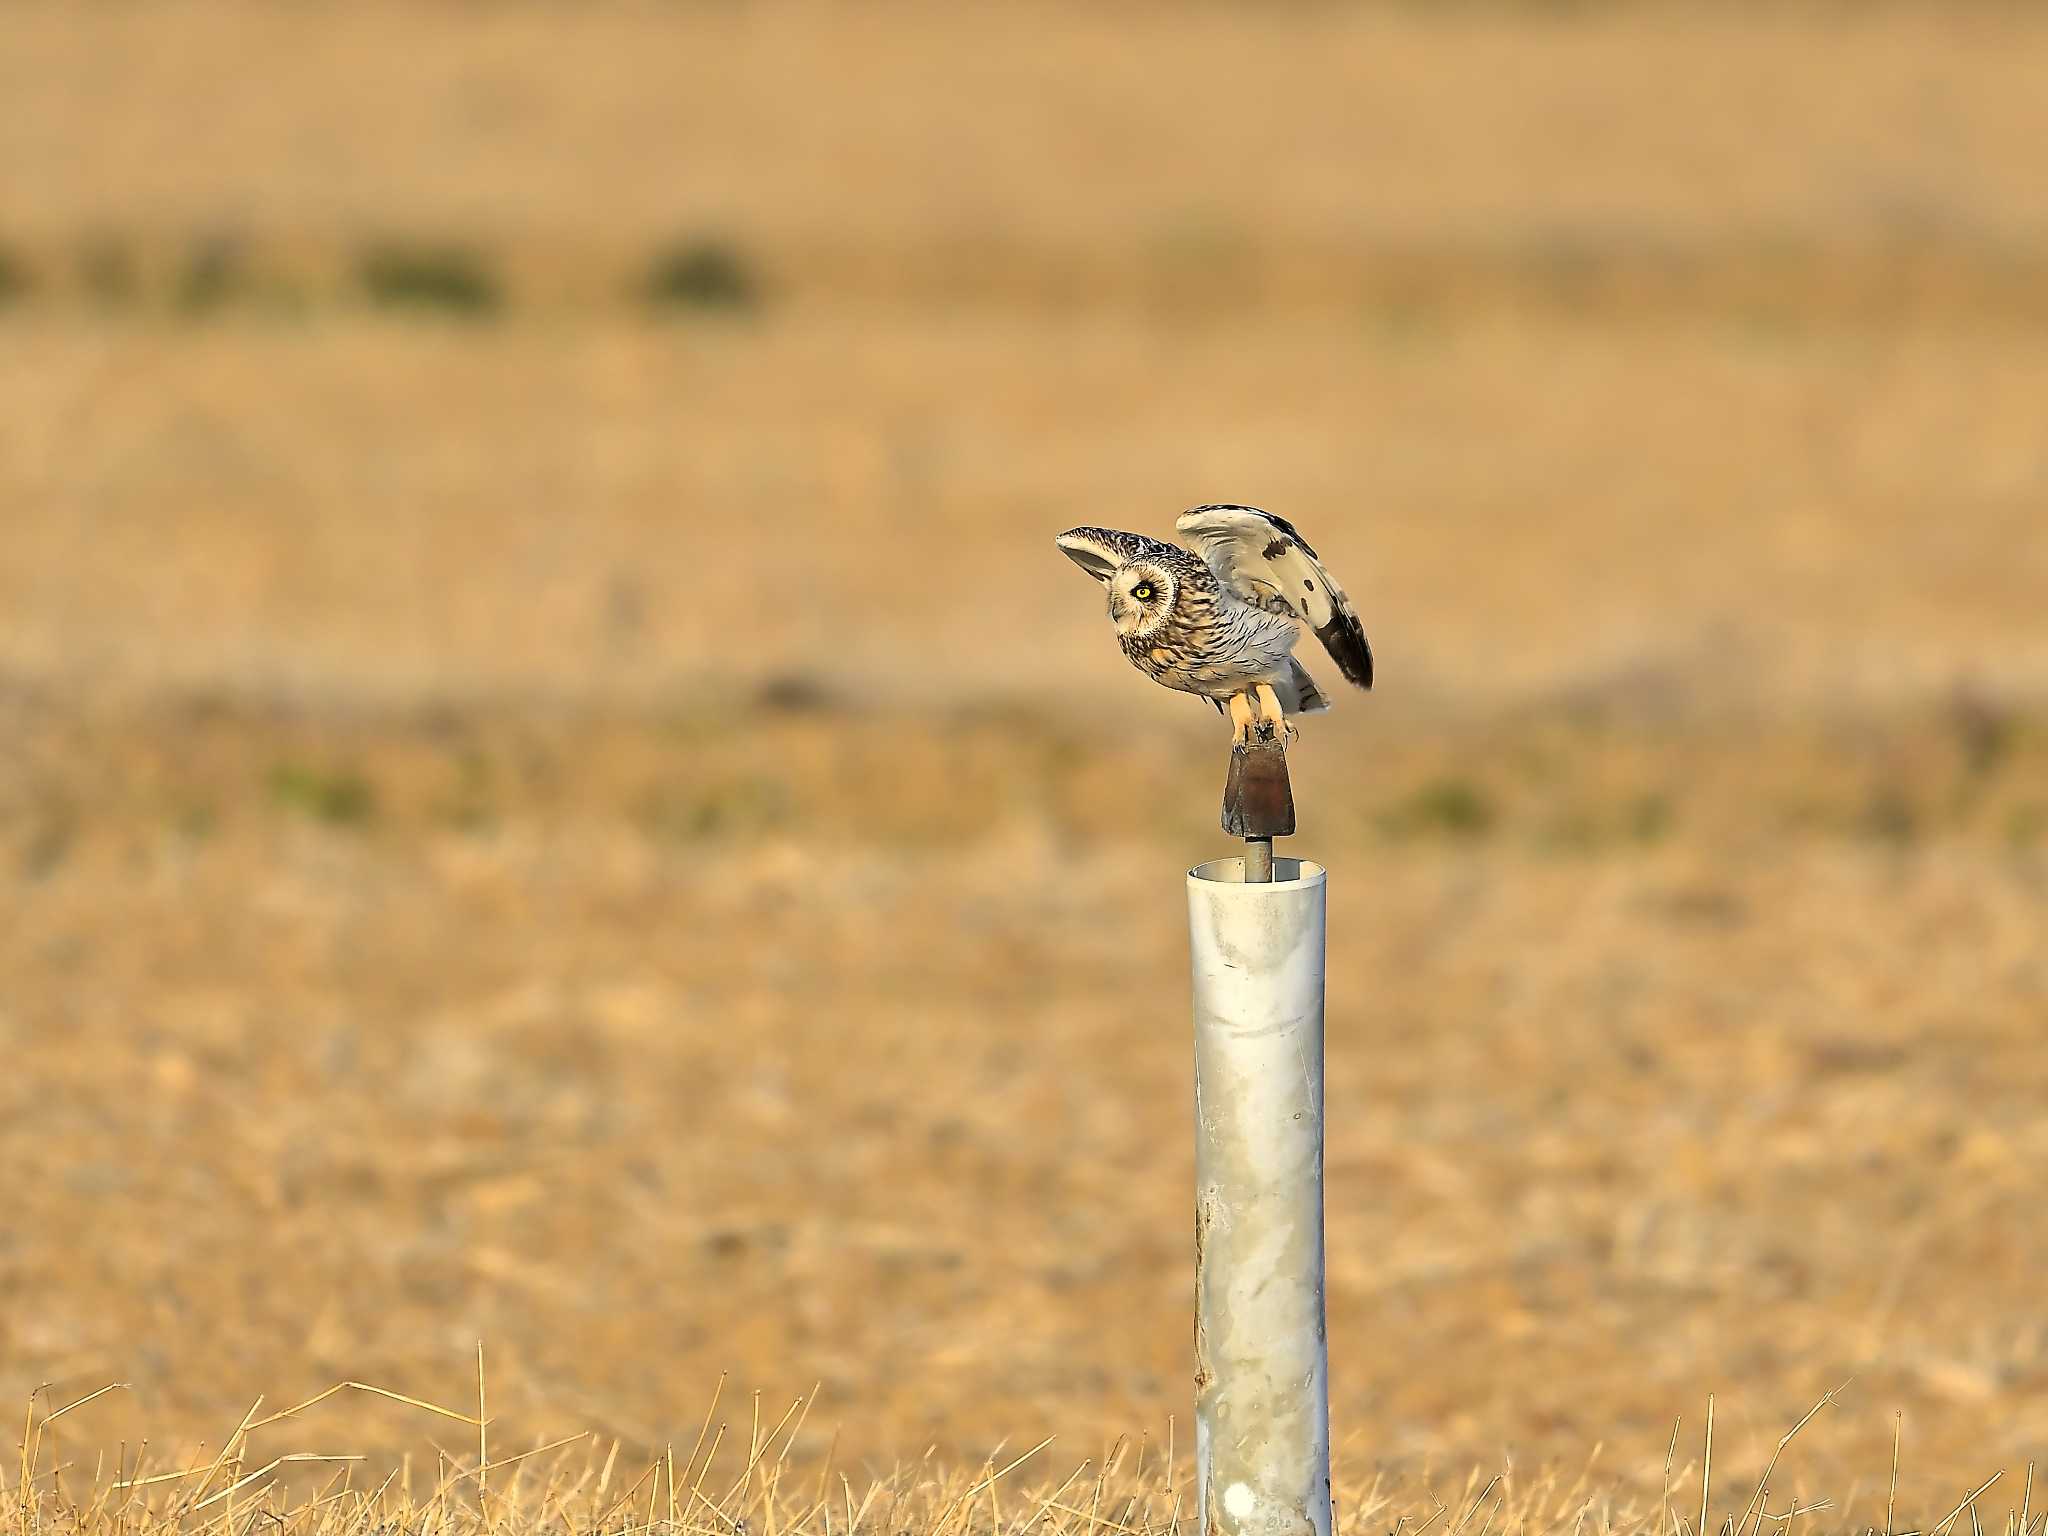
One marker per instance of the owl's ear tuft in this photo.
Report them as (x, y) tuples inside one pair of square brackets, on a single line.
[(1087, 549)]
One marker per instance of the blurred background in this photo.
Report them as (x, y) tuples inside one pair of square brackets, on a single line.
[(553, 787)]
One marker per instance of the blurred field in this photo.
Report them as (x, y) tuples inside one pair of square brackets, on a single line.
[(601, 823)]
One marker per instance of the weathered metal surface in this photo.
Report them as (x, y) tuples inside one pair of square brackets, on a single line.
[(1262, 1430), (1258, 800)]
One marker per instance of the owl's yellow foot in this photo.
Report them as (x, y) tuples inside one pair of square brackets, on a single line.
[(1241, 717), (1269, 708)]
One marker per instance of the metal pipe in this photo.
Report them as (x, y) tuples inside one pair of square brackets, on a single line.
[(1258, 860), (1262, 1408)]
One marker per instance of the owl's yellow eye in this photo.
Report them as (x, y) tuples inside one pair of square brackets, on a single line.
[(1142, 591)]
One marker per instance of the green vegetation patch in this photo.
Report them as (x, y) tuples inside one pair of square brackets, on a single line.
[(703, 275), (335, 797), (429, 278), (741, 806), (109, 271), (1446, 806), (215, 273), (15, 278)]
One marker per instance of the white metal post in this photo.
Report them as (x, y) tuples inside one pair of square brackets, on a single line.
[(1262, 1410)]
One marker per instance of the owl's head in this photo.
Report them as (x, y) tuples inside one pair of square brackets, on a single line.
[(1135, 570), (1141, 595)]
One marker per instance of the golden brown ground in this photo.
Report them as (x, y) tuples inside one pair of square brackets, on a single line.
[(395, 949)]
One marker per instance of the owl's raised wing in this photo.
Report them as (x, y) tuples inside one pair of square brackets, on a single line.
[(1264, 561)]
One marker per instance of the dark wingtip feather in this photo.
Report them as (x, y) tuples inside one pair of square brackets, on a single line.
[(1344, 638)]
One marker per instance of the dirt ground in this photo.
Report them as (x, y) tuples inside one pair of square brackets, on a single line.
[(614, 833)]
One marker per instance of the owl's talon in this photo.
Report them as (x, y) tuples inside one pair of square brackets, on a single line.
[(1241, 718), (1274, 725)]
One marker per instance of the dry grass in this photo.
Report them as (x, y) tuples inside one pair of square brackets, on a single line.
[(575, 1483), (846, 1047), (603, 825)]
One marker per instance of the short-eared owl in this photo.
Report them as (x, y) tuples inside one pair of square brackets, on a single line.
[(1224, 625)]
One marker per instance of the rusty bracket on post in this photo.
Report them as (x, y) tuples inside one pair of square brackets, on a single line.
[(1258, 800)]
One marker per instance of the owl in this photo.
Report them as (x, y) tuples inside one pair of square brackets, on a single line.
[(1223, 624)]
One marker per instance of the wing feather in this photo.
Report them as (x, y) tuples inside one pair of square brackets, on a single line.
[(1261, 559)]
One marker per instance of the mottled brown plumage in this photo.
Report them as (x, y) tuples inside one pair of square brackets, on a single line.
[(1223, 625)]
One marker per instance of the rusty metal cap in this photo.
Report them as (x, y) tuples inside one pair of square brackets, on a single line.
[(1258, 800)]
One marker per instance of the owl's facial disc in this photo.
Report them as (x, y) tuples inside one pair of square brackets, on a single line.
[(1140, 596)]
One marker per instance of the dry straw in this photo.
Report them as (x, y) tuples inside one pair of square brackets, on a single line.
[(574, 1490)]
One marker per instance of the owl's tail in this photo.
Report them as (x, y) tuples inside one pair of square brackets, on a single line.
[(1298, 692)]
